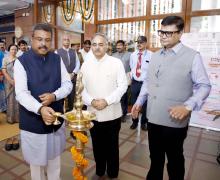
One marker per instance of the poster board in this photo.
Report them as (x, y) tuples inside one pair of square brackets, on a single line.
[(208, 44)]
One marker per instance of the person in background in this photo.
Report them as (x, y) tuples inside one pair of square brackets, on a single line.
[(109, 51), (124, 56), (3, 48), (86, 48), (41, 84), (12, 105), (76, 47), (23, 47), (176, 84), (139, 61), (72, 64), (2, 87), (104, 82)]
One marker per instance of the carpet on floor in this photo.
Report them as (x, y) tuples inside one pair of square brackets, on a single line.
[(7, 130)]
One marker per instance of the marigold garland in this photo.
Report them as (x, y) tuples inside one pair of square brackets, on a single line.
[(77, 174), (78, 157), (83, 138)]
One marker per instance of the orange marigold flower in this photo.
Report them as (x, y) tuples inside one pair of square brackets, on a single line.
[(76, 172), (83, 138), (85, 163)]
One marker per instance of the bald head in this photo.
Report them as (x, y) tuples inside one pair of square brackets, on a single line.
[(66, 41)]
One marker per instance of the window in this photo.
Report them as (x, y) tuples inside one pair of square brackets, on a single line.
[(113, 9), (154, 38), (205, 24), (205, 4), (125, 31), (166, 6)]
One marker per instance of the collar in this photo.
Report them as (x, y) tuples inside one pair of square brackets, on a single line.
[(143, 52), (175, 49), (102, 59), (38, 56), (66, 49)]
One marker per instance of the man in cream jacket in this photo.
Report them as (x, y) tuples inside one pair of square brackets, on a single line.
[(105, 82)]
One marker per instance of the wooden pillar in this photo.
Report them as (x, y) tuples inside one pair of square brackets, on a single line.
[(55, 25), (148, 23), (35, 12), (95, 15)]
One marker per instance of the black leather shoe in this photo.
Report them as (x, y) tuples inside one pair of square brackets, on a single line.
[(15, 146), (8, 145), (144, 127), (133, 126)]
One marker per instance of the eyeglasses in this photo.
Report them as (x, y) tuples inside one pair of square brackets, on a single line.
[(167, 33)]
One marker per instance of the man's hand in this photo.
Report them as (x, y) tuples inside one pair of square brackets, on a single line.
[(94, 103), (179, 112), (47, 115), (213, 112), (72, 75), (135, 111), (102, 104), (47, 98), (99, 104)]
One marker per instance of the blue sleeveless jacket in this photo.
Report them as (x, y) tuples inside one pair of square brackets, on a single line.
[(43, 76)]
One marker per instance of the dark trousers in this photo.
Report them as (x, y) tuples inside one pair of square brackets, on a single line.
[(135, 90), (71, 96), (124, 103), (166, 141), (105, 141)]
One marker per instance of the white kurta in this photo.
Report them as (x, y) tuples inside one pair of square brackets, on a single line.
[(37, 149)]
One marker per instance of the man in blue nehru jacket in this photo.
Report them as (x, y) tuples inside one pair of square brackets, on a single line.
[(41, 84)]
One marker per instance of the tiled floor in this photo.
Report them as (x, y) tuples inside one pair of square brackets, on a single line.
[(201, 148)]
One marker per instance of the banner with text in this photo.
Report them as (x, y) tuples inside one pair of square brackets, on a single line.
[(208, 44)]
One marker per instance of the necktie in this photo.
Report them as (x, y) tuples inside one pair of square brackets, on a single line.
[(138, 67), (68, 57)]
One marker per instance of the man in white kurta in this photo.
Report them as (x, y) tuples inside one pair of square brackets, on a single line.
[(105, 82)]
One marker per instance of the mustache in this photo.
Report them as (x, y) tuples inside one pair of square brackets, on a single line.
[(43, 47), (97, 50)]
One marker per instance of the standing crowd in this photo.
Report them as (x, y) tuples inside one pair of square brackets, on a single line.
[(164, 86)]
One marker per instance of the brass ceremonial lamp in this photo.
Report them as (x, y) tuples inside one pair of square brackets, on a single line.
[(78, 121)]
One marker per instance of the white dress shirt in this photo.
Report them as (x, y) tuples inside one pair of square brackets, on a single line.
[(19, 53), (145, 59), (84, 53)]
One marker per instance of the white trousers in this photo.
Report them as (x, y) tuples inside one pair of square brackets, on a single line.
[(52, 170)]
